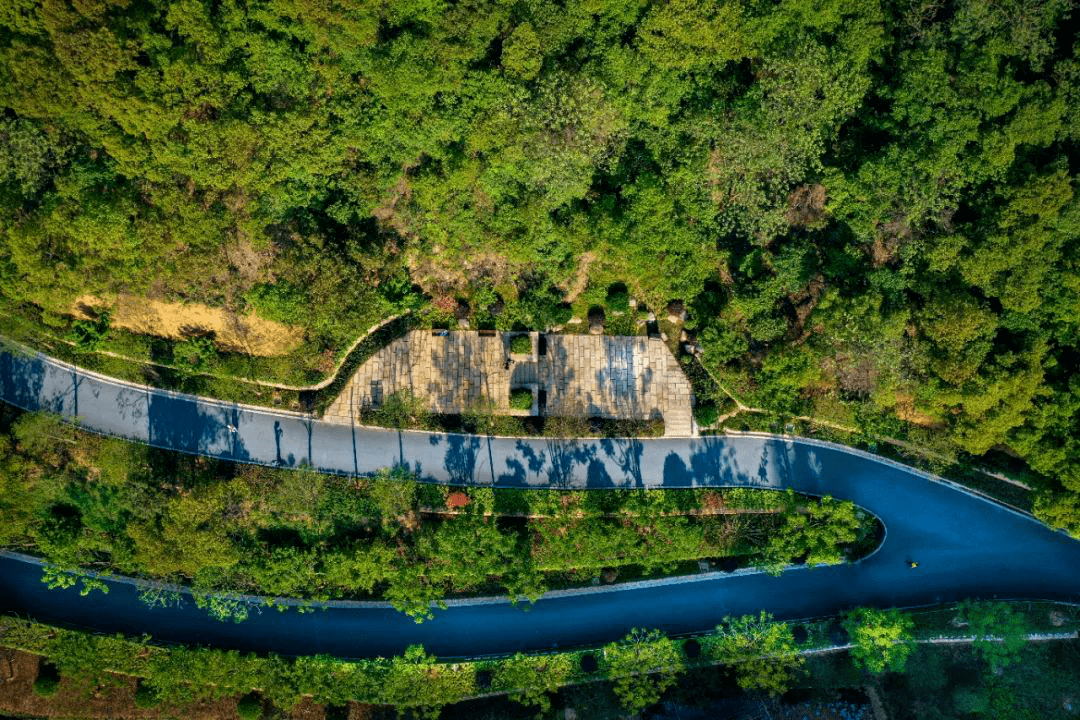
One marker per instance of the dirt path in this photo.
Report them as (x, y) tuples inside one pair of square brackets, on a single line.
[(581, 278)]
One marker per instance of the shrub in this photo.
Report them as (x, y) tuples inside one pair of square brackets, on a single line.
[(521, 344), (521, 399), (88, 334), (402, 409), (249, 707), (970, 701), (146, 696), (624, 324), (562, 314), (882, 638), (46, 686), (281, 301), (48, 680), (194, 354), (705, 413), (618, 298)]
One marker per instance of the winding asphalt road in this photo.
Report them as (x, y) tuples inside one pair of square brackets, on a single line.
[(966, 546)]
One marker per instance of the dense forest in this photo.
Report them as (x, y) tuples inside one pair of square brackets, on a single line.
[(868, 208)]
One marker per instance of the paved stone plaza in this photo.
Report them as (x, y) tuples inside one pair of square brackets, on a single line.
[(579, 375)]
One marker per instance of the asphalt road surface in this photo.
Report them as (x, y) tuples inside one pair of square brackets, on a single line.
[(965, 545)]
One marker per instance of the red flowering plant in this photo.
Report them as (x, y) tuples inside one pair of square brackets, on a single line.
[(442, 311)]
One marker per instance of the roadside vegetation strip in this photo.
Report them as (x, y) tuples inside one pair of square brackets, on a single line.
[(346, 363), (288, 542), (228, 532), (706, 383), (1001, 489), (764, 656)]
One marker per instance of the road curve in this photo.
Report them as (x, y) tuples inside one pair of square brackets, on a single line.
[(966, 546)]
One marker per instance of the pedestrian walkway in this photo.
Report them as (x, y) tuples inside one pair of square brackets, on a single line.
[(569, 375)]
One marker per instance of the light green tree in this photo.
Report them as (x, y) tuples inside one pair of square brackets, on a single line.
[(818, 531), (762, 652), (521, 55), (642, 666), (531, 680), (882, 638), (1000, 631)]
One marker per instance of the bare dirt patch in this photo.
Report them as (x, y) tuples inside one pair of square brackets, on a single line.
[(890, 238), (447, 274), (806, 205), (247, 333), (906, 411)]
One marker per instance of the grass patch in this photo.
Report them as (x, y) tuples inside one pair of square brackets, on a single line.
[(521, 399), (521, 345)]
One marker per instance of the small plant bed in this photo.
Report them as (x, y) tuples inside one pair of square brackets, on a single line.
[(521, 399), (521, 345), (530, 426)]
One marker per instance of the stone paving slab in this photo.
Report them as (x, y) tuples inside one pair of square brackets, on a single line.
[(582, 375)]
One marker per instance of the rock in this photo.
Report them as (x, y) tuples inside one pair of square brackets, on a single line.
[(463, 324), (683, 337), (633, 303), (574, 321), (663, 336), (652, 316), (676, 309)]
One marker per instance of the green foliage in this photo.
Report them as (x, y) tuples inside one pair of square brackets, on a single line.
[(194, 354), (970, 701), (403, 409), (146, 697), (882, 638), (818, 532), (280, 301), (88, 334), (56, 578), (521, 54), (618, 298), (869, 207), (521, 399), (415, 680), (521, 344), (705, 414), (531, 680), (642, 665), (46, 686), (762, 652), (1000, 631), (249, 707), (233, 532)]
